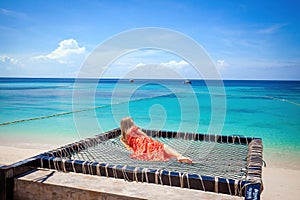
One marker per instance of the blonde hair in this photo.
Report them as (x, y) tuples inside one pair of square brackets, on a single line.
[(125, 124)]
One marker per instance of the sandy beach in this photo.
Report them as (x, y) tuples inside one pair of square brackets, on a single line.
[(279, 182), (10, 155)]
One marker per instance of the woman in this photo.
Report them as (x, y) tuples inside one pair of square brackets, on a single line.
[(144, 147)]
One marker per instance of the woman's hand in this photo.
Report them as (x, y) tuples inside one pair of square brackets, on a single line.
[(126, 145)]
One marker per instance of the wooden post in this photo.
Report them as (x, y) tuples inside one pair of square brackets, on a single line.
[(9, 172), (6, 182)]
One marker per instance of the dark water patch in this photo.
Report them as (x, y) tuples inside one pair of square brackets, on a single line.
[(261, 83), (36, 80), (218, 95), (171, 95), (32, 87), (264, 125), (254, 97), (244, 110)]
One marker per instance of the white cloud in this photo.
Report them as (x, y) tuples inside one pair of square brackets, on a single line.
[(272, 29), (140, 65), (64, 52), (152, 69), (6, 12), (9, 66), (12, 13), (61, 62), (7, 60), (174, 63), (221, 63)]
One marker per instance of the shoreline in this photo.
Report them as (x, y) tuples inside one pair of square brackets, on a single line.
[(280, 182)]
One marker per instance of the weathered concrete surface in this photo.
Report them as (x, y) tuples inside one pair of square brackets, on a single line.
[(48, 184)]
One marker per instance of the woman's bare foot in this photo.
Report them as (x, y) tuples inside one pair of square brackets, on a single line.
[(185, 159)]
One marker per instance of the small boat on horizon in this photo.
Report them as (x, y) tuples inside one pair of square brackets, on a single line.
[(187, 82)]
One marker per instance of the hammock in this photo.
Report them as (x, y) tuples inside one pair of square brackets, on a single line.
[(225, 164), (212, 159)]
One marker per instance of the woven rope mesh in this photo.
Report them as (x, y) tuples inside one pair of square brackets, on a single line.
[(209, 158)]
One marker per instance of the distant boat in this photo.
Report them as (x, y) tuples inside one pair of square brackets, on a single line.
[(131, 80), (187, 82)]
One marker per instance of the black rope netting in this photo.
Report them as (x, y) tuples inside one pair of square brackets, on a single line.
[(209, 158)]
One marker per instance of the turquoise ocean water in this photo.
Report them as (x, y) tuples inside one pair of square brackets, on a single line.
[(42, 110)]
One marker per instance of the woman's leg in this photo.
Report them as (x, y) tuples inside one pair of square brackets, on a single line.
[(172, 152)]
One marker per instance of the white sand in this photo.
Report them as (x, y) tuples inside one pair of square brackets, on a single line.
[(279, 183), (12, 153)]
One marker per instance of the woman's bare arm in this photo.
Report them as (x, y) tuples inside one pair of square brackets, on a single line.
[(126, 145)]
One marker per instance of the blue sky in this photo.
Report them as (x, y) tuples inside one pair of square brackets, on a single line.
[(245, 39)]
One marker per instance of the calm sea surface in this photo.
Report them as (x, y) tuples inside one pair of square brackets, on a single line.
[(59, 111)]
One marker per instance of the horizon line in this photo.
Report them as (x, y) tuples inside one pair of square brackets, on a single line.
[(93, 78)]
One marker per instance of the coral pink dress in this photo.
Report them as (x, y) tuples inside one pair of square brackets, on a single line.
[(144, 147)]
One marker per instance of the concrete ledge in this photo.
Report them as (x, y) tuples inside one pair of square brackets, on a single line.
[(49, 184)]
